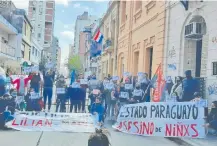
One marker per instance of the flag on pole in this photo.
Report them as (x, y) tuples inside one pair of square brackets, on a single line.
[(159, 83), (98, 37)]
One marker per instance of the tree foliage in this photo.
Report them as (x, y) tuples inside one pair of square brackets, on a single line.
[(74, 63)]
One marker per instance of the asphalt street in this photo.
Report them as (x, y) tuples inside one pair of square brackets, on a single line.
[(18, 138)]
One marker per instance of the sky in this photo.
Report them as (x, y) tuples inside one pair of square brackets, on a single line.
[(65, 16)]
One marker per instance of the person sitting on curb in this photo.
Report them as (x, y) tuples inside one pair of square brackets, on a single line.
[(212, 119), (99, 138)]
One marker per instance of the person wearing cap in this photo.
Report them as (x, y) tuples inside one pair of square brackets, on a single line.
[(189, 87)]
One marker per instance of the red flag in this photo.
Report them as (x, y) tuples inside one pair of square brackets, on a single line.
[(160, 82)]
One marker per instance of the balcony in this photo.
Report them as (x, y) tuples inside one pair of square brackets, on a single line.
[(6, 26), (108, 46), (7, 50)]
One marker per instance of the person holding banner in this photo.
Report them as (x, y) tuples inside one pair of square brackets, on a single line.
[(145, 86), (35, 82), (21, 83)]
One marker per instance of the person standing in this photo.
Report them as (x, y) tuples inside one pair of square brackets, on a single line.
[(72, 77), (35, 82), (48, 89), (189, 87)]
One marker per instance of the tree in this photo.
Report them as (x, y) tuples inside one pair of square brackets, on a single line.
[(74, 63)]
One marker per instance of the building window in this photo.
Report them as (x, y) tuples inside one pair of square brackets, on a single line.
[(33, 9), (33, 51), (36, 52), (22, 53), (214, 66), (138, 5), (123, 12), (39, 35)]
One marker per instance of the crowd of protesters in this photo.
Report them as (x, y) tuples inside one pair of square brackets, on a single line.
[(106, 97)]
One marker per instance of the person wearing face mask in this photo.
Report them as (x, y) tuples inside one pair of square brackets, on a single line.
[(212, 119), (60, 101), (35, 82), (138, 94), (21, 83), (176, 91), (145, 86), (189, 87)]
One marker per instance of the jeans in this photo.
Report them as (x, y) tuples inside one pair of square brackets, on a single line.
[(47, 94)]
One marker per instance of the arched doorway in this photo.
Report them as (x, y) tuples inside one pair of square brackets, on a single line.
[(194, 44)]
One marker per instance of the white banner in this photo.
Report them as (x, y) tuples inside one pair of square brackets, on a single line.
[(124, 95), (128, 86), (83, 81), (177, 119), (60, 90), (65, 122), (75, 85)]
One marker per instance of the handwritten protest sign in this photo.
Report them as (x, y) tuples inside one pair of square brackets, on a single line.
[(83, 81), (60, 90), (31, 69), (75, 85), (109, 86), (96, 91), (124, 95), (137, 93), (178, 119), (128, 86), (34, 95), (49, 65), (115, 78), (139, 74), (65, 122), (126, 74)]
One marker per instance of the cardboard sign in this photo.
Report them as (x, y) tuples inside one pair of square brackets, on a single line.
[(49, 65), (140, 74), (75, 85), (127, 74), (31, 69), (162, 119), (128, 86), (115, 78), (124, 95), (61, 122), (96, 91), (83, 81), (109, 86), (60, 90), (34, 95), (137, 92)]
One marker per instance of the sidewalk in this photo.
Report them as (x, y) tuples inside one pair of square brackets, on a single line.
[(208, 141)]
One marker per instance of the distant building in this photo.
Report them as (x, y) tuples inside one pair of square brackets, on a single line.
[(81, 22), (42, 14), (36, 51)]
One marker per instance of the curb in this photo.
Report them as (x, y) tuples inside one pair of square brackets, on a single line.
[(179, 141)]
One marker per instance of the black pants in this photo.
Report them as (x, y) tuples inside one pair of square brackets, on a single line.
[(47, 94), (60, 103), (75, 104)]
